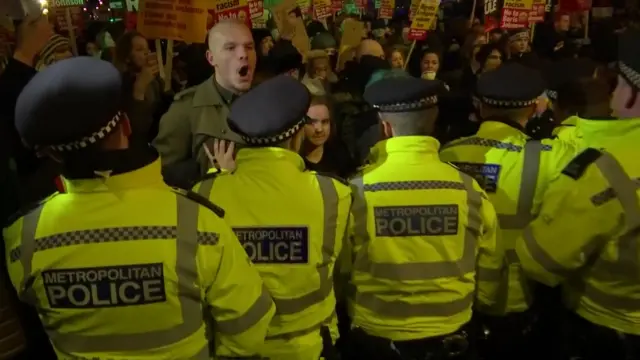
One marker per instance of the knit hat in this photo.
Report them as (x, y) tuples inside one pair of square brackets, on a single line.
[(46, 56)]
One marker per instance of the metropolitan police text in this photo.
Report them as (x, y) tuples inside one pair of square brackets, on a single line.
[(109, 286), (278, 245), (427, 220)]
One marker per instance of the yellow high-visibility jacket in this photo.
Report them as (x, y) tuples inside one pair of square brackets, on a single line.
[(124, 268)]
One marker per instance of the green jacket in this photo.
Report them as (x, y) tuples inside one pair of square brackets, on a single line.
[(197, 116)]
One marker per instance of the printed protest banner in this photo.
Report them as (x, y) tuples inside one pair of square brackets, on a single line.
[(183, 20), (413, 9), (491, 14), (537, 11), (256, 8), (515, 14), (321, 9), (424, 20), (336, 5), (387, 8), (233, 9), (66, 3)]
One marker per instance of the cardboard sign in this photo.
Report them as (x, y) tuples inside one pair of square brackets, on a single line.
[(300, 39), (352, 31), (424, 20), (284, 23), (182, 20)]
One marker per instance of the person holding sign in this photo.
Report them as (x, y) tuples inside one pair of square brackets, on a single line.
[(196, 121)]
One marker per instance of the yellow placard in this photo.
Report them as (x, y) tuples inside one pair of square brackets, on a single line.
[(426, 15), (182, 20), (518, 4)]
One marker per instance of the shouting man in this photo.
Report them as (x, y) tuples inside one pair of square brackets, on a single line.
[(198, 116)]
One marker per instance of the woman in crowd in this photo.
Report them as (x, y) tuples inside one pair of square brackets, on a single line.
[(397, 56), (144, 88), (320, 152), (489, 57), (429, 64)]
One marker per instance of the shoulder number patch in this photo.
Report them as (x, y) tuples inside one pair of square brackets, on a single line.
[(487, 175), (576, 167)]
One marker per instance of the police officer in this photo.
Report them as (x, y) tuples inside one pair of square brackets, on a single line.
[(418, 224), (586, 236), (515, 172), (289, 221), (563, 78), (118, 264)]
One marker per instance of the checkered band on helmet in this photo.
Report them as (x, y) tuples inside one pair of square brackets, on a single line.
[(408, 107), (631, 75), (272, 140), (91, 139), (552, 94), (509, 104)]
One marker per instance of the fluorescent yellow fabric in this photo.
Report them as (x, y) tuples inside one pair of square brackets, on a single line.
[(496, 156), (291, 223), (118, 241), (586, 238), (566, 130), (418, 227)]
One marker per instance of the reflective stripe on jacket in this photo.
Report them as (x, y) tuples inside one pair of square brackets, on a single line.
[(418, 227), (514, 171), (587, 237), (291, 223), (121, 268)]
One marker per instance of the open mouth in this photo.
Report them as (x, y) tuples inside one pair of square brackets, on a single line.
[(244, 71)]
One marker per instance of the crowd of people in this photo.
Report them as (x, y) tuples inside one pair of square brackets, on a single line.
[(470, 196)]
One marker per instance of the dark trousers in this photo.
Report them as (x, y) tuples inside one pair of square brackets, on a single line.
[(456, 346), (583, 340), (507, 337)]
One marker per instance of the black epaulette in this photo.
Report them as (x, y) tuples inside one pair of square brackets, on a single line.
[(333, 176), (24, 210), (201, 200), (576, 168)]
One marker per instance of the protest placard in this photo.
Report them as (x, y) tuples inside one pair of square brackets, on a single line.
[(321, 9), (256, 8), (233, 9), (537, 11), (424, 19), (515, 14), (183, 20), (387, 8)]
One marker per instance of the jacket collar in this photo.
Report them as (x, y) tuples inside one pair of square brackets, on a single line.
[(404, 145), (207, 94), (146, 177), (268, 157)]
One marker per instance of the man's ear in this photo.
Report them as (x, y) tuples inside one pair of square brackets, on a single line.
[(387, 129), (210, 58)]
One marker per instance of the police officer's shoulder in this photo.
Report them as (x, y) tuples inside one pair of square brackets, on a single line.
[(193, 196), (579, 165), (331, 176), (452, 165), (27, 209), (186, 94)]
